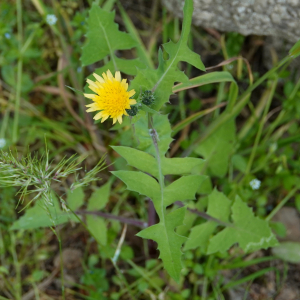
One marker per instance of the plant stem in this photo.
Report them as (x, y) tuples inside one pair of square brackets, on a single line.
[(19, 73), (281, 203), (261, 125), (240, 103), (153, 135), (17, 285), (61, 264), (109, 216)]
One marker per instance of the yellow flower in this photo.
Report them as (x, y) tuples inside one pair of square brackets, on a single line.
[(111, 98)]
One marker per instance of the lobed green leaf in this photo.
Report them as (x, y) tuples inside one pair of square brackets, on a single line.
[(104, 37), (219, 208), (38, 217), (179, 166), (99, 198), (252, 233), (75, 198), (217, 148), (138, 159), (139, 182), (161, 80), (169, 242), (182, 189), (98, 228)]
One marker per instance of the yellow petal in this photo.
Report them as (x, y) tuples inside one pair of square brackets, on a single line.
[(132, 101), (124, 84), (109, 75), (125, 113), (99, 85), (94, 89), (98, 116), (115, 120), (91, 109), (92, 83), (90, 105), (120, 119), (118, 76), (99, 78), (131, 93), (104, 77), (104, 118), (90, 96)]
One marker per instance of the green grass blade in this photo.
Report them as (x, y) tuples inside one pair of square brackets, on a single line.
[(193, 118), (215, 77), (142, 52)]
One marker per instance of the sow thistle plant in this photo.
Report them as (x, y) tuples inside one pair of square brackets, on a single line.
[(142, 101)]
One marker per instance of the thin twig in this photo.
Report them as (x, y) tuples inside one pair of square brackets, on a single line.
[(138, 223), (203, 215), (42, 286)]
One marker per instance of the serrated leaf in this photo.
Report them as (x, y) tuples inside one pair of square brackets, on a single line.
[(169, 242), (162, 79), (250, 232), (75, 198), (288, 251), (98, 228), (182, 189), (219, 208), (37, 216), (206, 186), (99, 198), (127, 66), (148, 109), (179, 166), (103, 37), (163, 130), (139, 182), (138, 159), (188, 221), (217, 148)]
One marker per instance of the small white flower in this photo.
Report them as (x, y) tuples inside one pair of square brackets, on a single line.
[(2, 142), (255, 184), (51, 19), (7, 35)]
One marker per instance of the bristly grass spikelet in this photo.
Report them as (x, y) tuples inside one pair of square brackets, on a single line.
[(35, 175)]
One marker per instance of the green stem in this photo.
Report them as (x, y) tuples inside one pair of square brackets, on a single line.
[(261, 125), (123, 279), (5, 118), (81, 222), (161, 181), (281, 203), (17, 285), (61, 269), (61, 264), (19, 73), (241, 102)]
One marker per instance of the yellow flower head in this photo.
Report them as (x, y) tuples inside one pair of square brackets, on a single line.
[(111, 98)]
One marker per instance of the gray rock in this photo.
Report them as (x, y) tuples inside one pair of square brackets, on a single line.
[(289, 217), (280, 18)]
